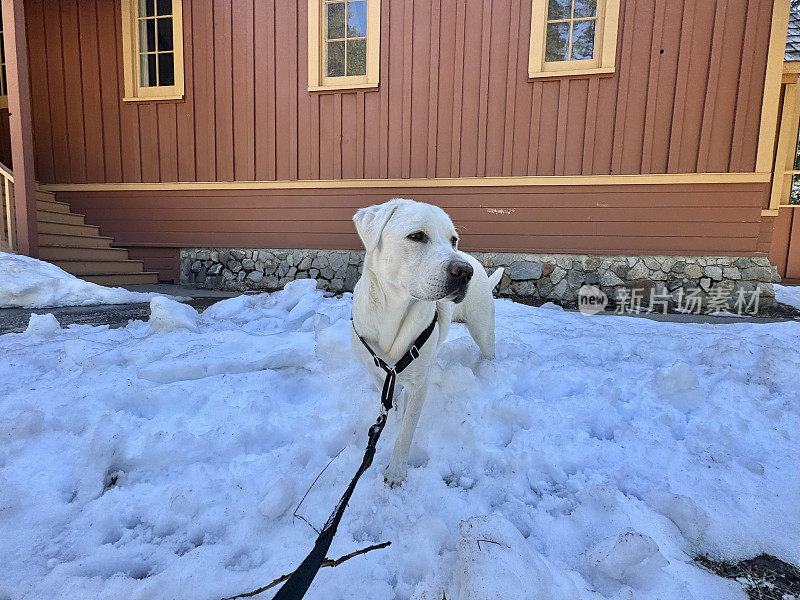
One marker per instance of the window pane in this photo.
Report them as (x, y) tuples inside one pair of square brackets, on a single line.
[(558, 9), (147, 68), (147, 35), (164, 7), (146, 8), (357, 19), (356, 57), (583, 40), (335, 59), (166, 69), (794, 195), (336, 21), (165, 34), (585, 8), (557, 42)]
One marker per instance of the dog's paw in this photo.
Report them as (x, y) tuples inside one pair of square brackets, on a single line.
[(393, 478)]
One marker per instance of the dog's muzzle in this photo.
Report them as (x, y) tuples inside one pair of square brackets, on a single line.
[(459, 273)]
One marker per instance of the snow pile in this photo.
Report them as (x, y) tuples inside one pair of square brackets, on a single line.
[(45, 325), (788, 294), (504, 565), (29, 283), (631, 557), (593, 459), (168, 315)]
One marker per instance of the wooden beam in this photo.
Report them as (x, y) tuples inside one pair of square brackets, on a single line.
[(20, 124), (768, 128), (441, 182)]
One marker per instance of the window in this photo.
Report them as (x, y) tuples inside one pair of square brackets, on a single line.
[(786, 170), (3, 80), (573, 37), (152, 37), (343, 44)]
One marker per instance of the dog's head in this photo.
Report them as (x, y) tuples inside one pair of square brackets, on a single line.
[(414, 246)]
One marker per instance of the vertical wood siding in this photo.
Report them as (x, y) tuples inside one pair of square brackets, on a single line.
[(5, 138), (454, 98), (784, 243)]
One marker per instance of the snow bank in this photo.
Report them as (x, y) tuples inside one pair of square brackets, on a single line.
[(29, 283), (788, 294), (591, 460)]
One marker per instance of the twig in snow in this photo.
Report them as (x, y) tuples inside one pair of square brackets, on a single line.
[(491, 542), (326, 563), (303, 499)]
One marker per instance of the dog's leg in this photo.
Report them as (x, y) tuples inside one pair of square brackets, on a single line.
[(414, 399)]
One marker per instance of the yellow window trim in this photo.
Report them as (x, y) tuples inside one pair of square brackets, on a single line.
[(3, 102), (134, 92), (605, 48), (317, 81)]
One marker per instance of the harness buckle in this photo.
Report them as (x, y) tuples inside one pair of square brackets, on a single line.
[(414, 352)]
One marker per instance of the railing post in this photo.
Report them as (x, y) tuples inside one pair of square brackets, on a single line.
[(20, 124)]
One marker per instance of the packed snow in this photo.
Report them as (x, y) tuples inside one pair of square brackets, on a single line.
[(30, 283), (788, 294), (594, 458)]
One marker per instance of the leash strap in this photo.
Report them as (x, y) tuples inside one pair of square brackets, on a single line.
[(298, 583)]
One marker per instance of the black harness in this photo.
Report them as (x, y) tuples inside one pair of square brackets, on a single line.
[(298, 583)]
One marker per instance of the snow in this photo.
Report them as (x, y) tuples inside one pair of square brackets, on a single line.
[(44, 325), (788, 294), (592, 459), (30, 283), (169, 315)]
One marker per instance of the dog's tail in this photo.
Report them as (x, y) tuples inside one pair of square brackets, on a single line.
[(494, 279)]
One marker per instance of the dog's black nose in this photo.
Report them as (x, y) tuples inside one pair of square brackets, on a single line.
[(460, 270)]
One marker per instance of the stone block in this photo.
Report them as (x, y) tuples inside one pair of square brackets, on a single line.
[(520, 270)]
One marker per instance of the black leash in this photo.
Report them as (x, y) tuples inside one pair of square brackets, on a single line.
[(298, 583)]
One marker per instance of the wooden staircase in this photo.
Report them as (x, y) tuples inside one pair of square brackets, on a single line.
[(69, 243)]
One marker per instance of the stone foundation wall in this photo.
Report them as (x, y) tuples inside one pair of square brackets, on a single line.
[(556, 277)]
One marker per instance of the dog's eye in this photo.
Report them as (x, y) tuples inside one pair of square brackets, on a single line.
[(454, 241), (418, 236)]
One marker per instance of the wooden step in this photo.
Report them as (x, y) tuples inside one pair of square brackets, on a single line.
[(53, 253), (67, 229), (99, 267), (122, 279), (61, 240), (51, 205), (46, 216)]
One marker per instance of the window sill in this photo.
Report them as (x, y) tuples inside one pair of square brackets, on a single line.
[(343, 87), (602, 72), (152, 98)]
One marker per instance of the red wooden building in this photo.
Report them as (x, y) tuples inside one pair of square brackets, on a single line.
[(550, 130)]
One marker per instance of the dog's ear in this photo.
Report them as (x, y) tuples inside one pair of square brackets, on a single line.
[(371, 220)]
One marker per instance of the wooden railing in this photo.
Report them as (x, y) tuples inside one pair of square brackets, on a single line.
[(8, 239)]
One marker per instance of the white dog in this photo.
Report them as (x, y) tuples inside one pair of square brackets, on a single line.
[(413, 269)]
